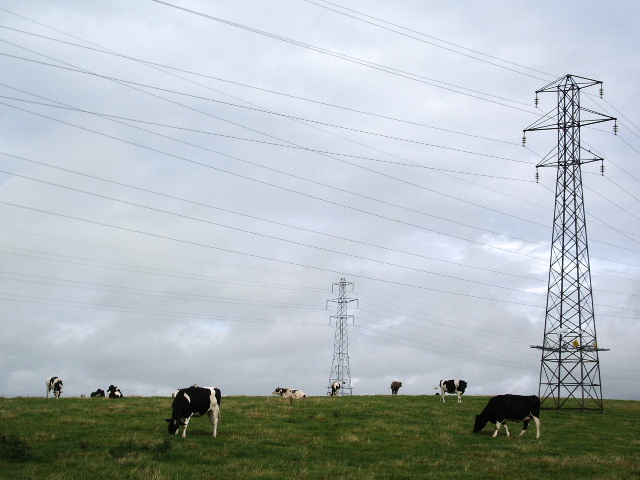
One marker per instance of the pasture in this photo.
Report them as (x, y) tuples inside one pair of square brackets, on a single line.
[(359, 437)]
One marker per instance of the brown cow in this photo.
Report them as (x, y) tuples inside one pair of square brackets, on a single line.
[(395, 386)]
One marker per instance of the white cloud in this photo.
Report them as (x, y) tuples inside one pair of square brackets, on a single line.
[(163, 250)]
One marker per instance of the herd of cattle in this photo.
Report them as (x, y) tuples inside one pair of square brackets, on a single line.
[(196, 401), (54, 384)]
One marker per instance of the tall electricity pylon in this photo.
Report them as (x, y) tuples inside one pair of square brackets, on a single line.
[(340, 370), (570, 367)]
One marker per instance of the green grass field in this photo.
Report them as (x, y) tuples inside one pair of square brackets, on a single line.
[(357, 437)]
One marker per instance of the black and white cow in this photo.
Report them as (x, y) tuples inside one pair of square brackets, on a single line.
[(289, 393), (514, 408), (194, 402), (99, 393), (395, 386), (114, 392), (55, 384), (452, 386), (335, 387)]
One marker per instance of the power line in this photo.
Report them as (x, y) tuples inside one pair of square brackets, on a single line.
[(193, 145), (285, 173), (32, 299), (208, 246), (428, 42), (435, 348), (233, 82), (341, 160), (450, 339), (434, 38), (200, 261), (291, 117), (390, 70), (250, 216), (43, 280), (287, 189), (271, 237), (233, 123)]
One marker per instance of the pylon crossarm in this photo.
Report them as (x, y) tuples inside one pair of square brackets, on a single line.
[(574, 80), (540, 123), (601, 117)]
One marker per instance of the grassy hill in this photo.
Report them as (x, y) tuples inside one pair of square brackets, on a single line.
[(358, 437)]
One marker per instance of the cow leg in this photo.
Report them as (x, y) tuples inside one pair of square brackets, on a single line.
[(525, 426), (442, 394), (506, 428), (184, 429), (459, 397), (537, 422), (213, 418), (495, 434)]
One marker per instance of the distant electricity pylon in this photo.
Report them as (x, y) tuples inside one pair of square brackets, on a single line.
[(570, 367), (340, 371)]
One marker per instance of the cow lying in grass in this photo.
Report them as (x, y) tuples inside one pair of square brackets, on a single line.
[(289, 393), (515, 408), (114, 392)]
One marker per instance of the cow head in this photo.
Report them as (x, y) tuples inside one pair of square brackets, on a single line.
[(278, 391), (174, 425), (57, 387), (479, 424)]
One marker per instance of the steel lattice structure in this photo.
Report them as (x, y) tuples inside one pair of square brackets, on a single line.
[(340, 370), (570, 366)]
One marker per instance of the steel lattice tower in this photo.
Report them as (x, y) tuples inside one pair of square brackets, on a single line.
[(570, 367), (340, 370)]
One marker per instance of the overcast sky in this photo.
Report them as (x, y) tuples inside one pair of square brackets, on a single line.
[(181, 188)]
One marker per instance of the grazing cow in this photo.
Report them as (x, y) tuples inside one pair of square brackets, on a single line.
[(99, 393), (452, 386), (194, 402), (515, 408), (55, 384), (114, 392), (289, 393), (335, 386), (395, 386)]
